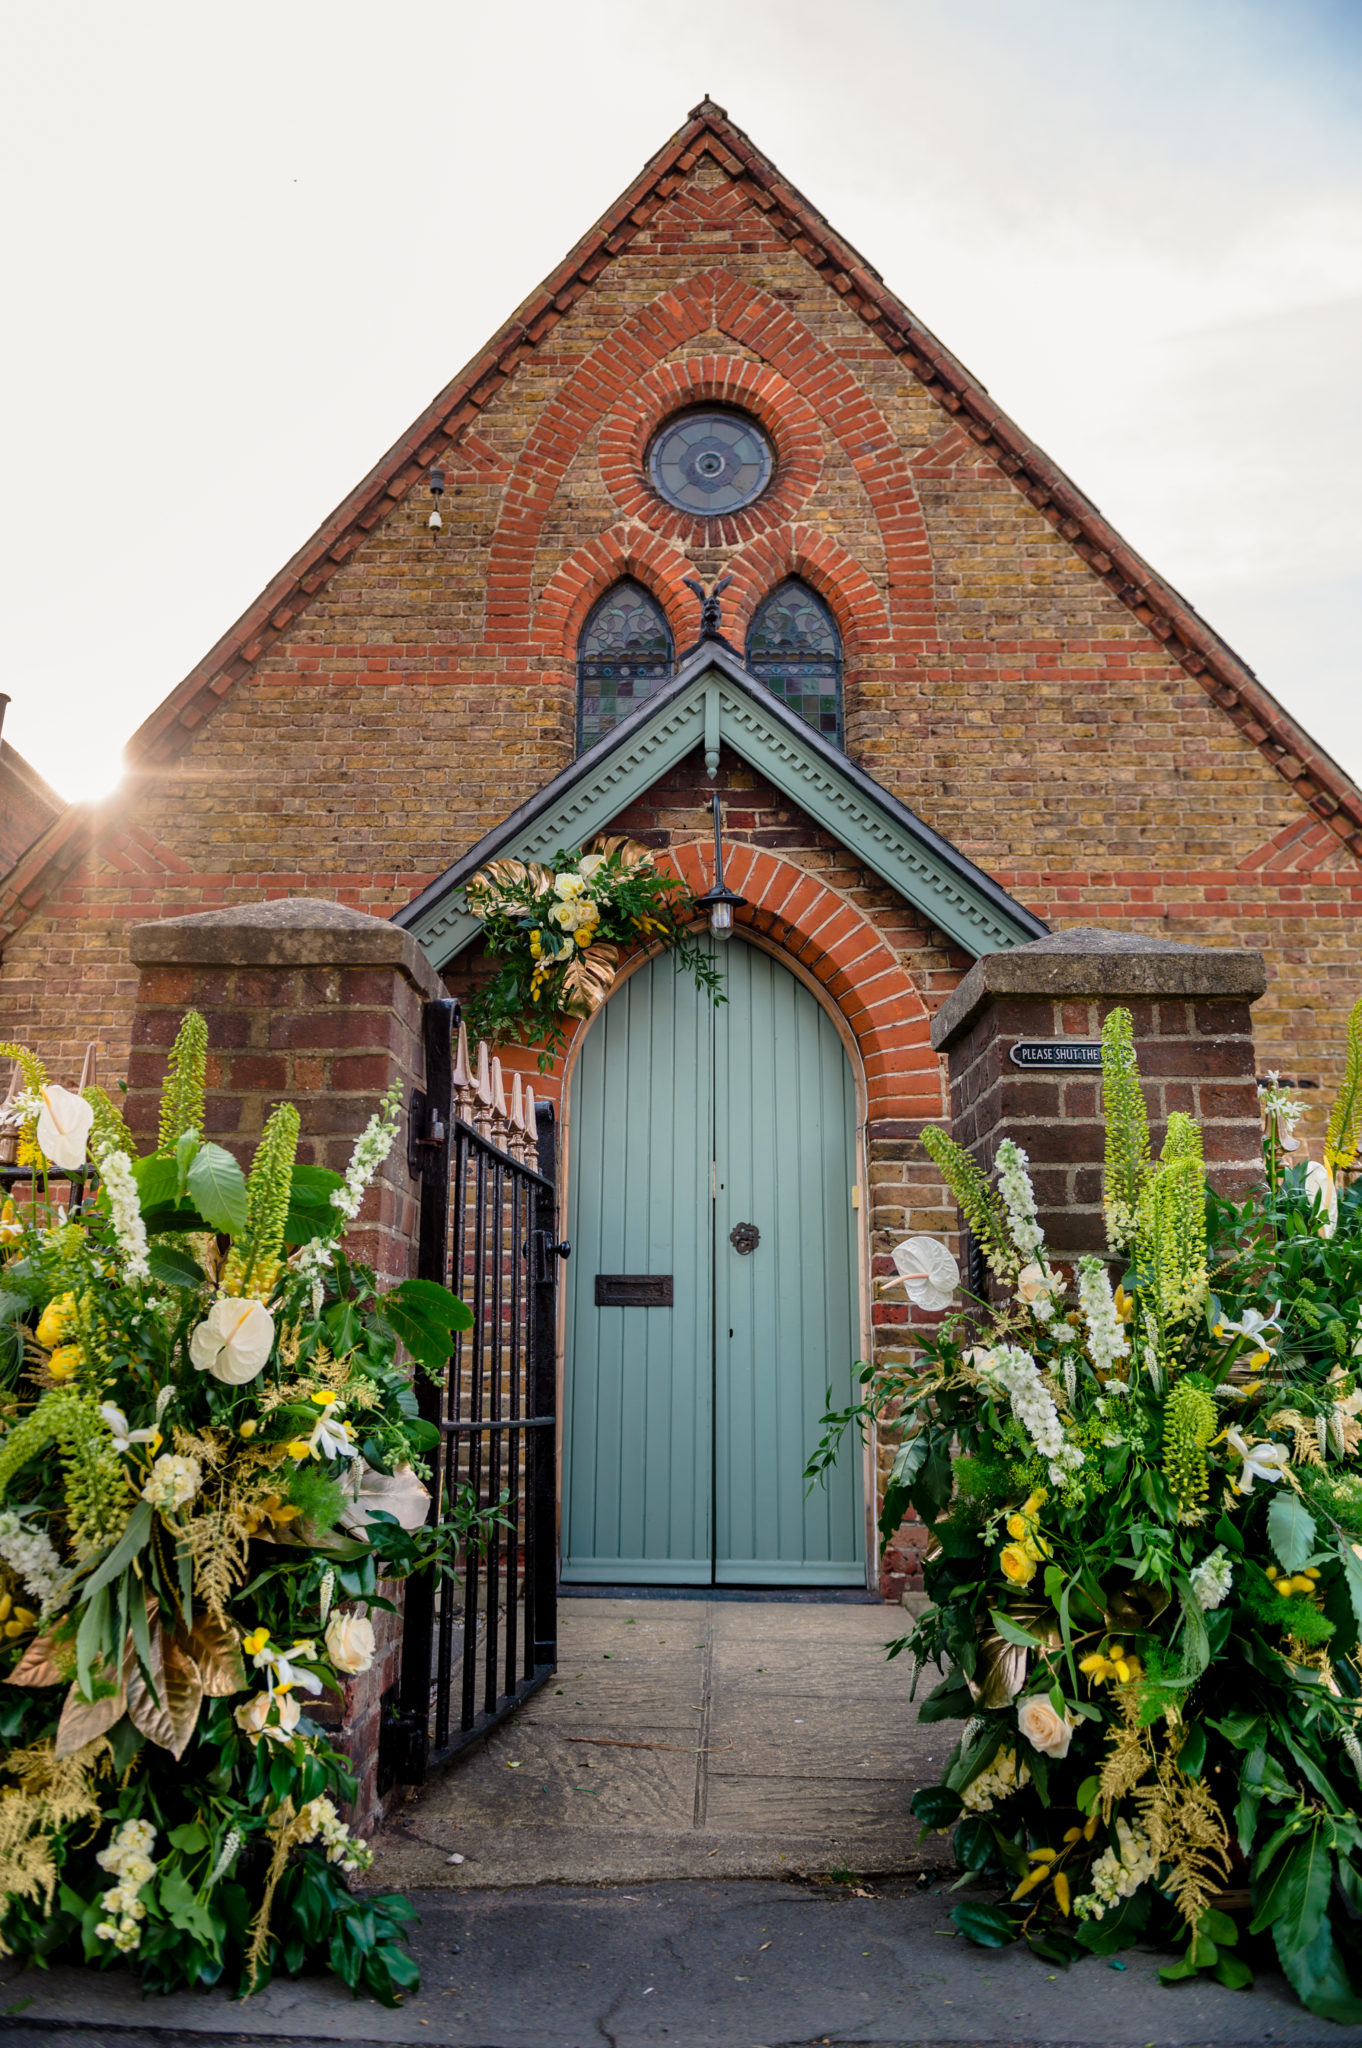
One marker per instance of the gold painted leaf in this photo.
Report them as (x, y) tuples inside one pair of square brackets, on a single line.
[(500, 875), (183, 1694), (82, 1720), (39, 1666), (146, 1708), (217, 1652), (587, 980), (630, 851)]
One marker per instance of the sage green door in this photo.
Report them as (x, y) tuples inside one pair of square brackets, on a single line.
[(688, 1426)]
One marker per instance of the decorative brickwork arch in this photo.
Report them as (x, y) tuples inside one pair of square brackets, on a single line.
[(590, 571), (822, 563), (839, 948), (606, 381), (786, 416)]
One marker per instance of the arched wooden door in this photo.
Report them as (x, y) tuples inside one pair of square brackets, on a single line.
[(692, 1406)]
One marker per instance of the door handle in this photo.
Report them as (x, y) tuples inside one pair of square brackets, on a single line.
[(744, 1237)]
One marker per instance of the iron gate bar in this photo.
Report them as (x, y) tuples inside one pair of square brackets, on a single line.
[(487, 1230)]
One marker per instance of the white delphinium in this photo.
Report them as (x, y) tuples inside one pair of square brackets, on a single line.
[(1107, 1340), (1118, 1873), (1212, 1579), (125, 1210), (372, 1147), (173, 1483), (1019, 1199), (29, 1553), (1003, 1775), (128, 1858), (1033, 1405)]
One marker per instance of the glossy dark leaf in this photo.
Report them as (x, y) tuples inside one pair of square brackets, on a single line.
[(986, 1926)]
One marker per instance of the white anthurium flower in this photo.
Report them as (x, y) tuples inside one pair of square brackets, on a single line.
[(399, 1494), (1261, 1461), (64, 1127), (233, 1342), (927, 1271), (1319, 1187), (589, 863), (123, 1436)]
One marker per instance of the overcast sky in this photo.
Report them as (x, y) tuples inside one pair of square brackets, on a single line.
[(243, 247)]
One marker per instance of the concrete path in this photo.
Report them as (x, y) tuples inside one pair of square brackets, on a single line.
[(689, 1738), (745, 1965)]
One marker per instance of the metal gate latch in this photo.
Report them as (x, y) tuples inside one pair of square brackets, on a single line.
[(744, 1237)]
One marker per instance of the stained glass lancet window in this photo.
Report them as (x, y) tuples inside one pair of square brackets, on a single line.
[(795, 649), (623, 657)]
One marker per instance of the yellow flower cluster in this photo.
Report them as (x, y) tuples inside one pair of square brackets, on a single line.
[(1115, 1665), (1288, 1586), (1021, 1556)]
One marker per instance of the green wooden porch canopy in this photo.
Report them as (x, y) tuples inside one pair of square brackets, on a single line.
[(713, 701)]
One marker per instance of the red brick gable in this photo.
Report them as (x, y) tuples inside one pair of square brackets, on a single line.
[(746, 206)]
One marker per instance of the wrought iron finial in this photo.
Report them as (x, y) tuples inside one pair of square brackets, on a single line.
[(711, 627)]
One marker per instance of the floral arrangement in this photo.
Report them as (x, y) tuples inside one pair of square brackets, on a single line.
[(1144, 1494), (557, 932), (211, 1464)]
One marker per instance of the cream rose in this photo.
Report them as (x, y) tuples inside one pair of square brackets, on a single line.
[(350, 1643), (252, 1714), (1043, 1728), (233, 1342)]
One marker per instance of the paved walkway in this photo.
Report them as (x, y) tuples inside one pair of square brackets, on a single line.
[(689, 1738)]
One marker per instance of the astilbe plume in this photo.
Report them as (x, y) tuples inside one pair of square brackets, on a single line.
[(1188, 1427), (54, 1794), (182, 1091), (979, 1205), (1344, 1133), (252, 1268), (1127, 1150)]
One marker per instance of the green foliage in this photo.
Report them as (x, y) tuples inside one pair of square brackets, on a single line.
[(182, 1091), (109, 1132)]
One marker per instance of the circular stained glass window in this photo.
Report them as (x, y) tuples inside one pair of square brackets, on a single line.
[(708, 463)]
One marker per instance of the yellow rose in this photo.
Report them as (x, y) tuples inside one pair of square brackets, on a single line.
[(56, 1319), (66, 1362), (1017, 1566)]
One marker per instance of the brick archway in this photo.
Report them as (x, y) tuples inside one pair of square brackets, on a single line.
[(840, 949)]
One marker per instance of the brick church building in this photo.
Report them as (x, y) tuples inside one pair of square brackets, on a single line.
[(948, 709)]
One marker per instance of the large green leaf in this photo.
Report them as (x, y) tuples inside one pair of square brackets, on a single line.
[(909, 1459), (174, 1268), (1318, 1974), (436, 1303), (932, 1489), (133, 1539), (986, 1926), (217, 1187), (937, 1806), (1291, 1530), (158, 1182), (950, 1701), (1297, 1895)]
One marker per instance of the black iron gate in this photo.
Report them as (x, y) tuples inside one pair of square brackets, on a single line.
[(476, 1646)]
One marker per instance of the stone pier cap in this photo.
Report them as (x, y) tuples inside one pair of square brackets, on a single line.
[(291, 931), (1089, 961)]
